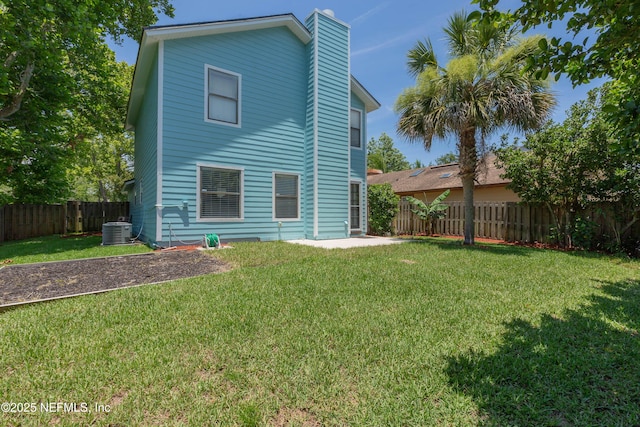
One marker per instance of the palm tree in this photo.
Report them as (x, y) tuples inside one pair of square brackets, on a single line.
[(377, 161), (483, 87)]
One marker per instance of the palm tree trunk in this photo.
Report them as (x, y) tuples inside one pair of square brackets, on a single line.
[(468, 162), (469, 212)]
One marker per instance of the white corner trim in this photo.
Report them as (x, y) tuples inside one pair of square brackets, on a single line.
[(316, 226), (159, 134), (349, 168)]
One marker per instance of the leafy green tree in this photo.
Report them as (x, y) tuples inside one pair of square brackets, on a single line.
[(102, 154), (570, 166), (381, 154), (430, 212), (383, 207), (483, 87), (613, 51), (417, 164), (54, 63), (445, 159), (623, 108)]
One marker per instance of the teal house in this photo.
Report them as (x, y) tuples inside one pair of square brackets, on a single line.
[(249, 129)]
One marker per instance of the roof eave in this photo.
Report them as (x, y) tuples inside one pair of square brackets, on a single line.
[(220, 27), (370, 103)]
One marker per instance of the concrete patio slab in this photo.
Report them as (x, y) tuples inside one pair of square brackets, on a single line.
[(353, 242)]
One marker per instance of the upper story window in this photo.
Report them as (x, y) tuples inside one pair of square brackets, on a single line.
[(355, 135), (223, 89)]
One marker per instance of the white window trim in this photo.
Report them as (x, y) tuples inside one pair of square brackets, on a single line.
[(273, 198), (360, 184), (361, 147), (199, 199), (208, 67)]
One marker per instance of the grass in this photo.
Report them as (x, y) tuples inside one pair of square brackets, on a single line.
[(426, 333), (57, 248)]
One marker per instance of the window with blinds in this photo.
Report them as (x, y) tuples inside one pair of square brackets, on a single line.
[(220, 193), (355, 209), (223, 96), (286, 196), (356, 126)]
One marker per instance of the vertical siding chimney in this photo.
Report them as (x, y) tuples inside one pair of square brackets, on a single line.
[(328, 104)]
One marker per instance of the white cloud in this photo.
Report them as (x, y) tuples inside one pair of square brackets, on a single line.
[(411, 35), (357, 20)]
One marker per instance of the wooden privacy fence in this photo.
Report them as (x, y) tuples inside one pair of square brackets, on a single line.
[(89, 216), (493, 220), (23, 221)]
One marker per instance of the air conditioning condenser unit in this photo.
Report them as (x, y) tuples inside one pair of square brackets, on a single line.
[(116, 233)]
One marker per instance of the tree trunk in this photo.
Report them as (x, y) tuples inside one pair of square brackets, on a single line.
[(103, 192), (556, 220), (468, 162), (16, 99), (469, 212)]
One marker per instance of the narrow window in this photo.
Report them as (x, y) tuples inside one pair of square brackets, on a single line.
[(356, 126), (355, 206), (286, 197), (220, 193), (223, 96)]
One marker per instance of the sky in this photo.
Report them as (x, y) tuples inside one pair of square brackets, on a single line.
[(382, 32)]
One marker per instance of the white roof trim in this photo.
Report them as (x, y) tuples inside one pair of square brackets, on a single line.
[(220, 27), (370, 103)]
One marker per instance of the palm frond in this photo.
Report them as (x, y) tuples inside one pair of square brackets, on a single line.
[(458, 31), (421, 57), (484, 87)]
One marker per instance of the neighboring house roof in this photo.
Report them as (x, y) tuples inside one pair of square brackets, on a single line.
[(437, 178), (151, 36)]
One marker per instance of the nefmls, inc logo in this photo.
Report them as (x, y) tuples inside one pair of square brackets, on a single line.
[(67, 407)]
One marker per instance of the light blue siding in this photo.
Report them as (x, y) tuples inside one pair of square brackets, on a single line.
[(142, 208), (331, 50), (273, 68), (309, 154), (358, 167), (295, 98)]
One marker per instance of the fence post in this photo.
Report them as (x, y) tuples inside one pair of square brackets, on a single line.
[(2, 223), (527, 223), (74, 217)]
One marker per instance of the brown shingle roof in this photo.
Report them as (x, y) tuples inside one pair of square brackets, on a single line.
[(437, 178)]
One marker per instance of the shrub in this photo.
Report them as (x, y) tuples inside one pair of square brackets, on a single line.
[(431, 212), (584, 233), (383, 207)]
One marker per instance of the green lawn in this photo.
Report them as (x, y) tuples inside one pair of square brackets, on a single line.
[(426, 333), (56, 248)]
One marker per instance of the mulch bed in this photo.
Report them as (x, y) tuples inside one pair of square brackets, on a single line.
[(32, 282)]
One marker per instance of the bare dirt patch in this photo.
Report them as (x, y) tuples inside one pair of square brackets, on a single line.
[(32, 282), (294, 417)]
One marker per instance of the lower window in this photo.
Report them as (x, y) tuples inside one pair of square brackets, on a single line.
[(355, 206), (286, 197), (220, 193)]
